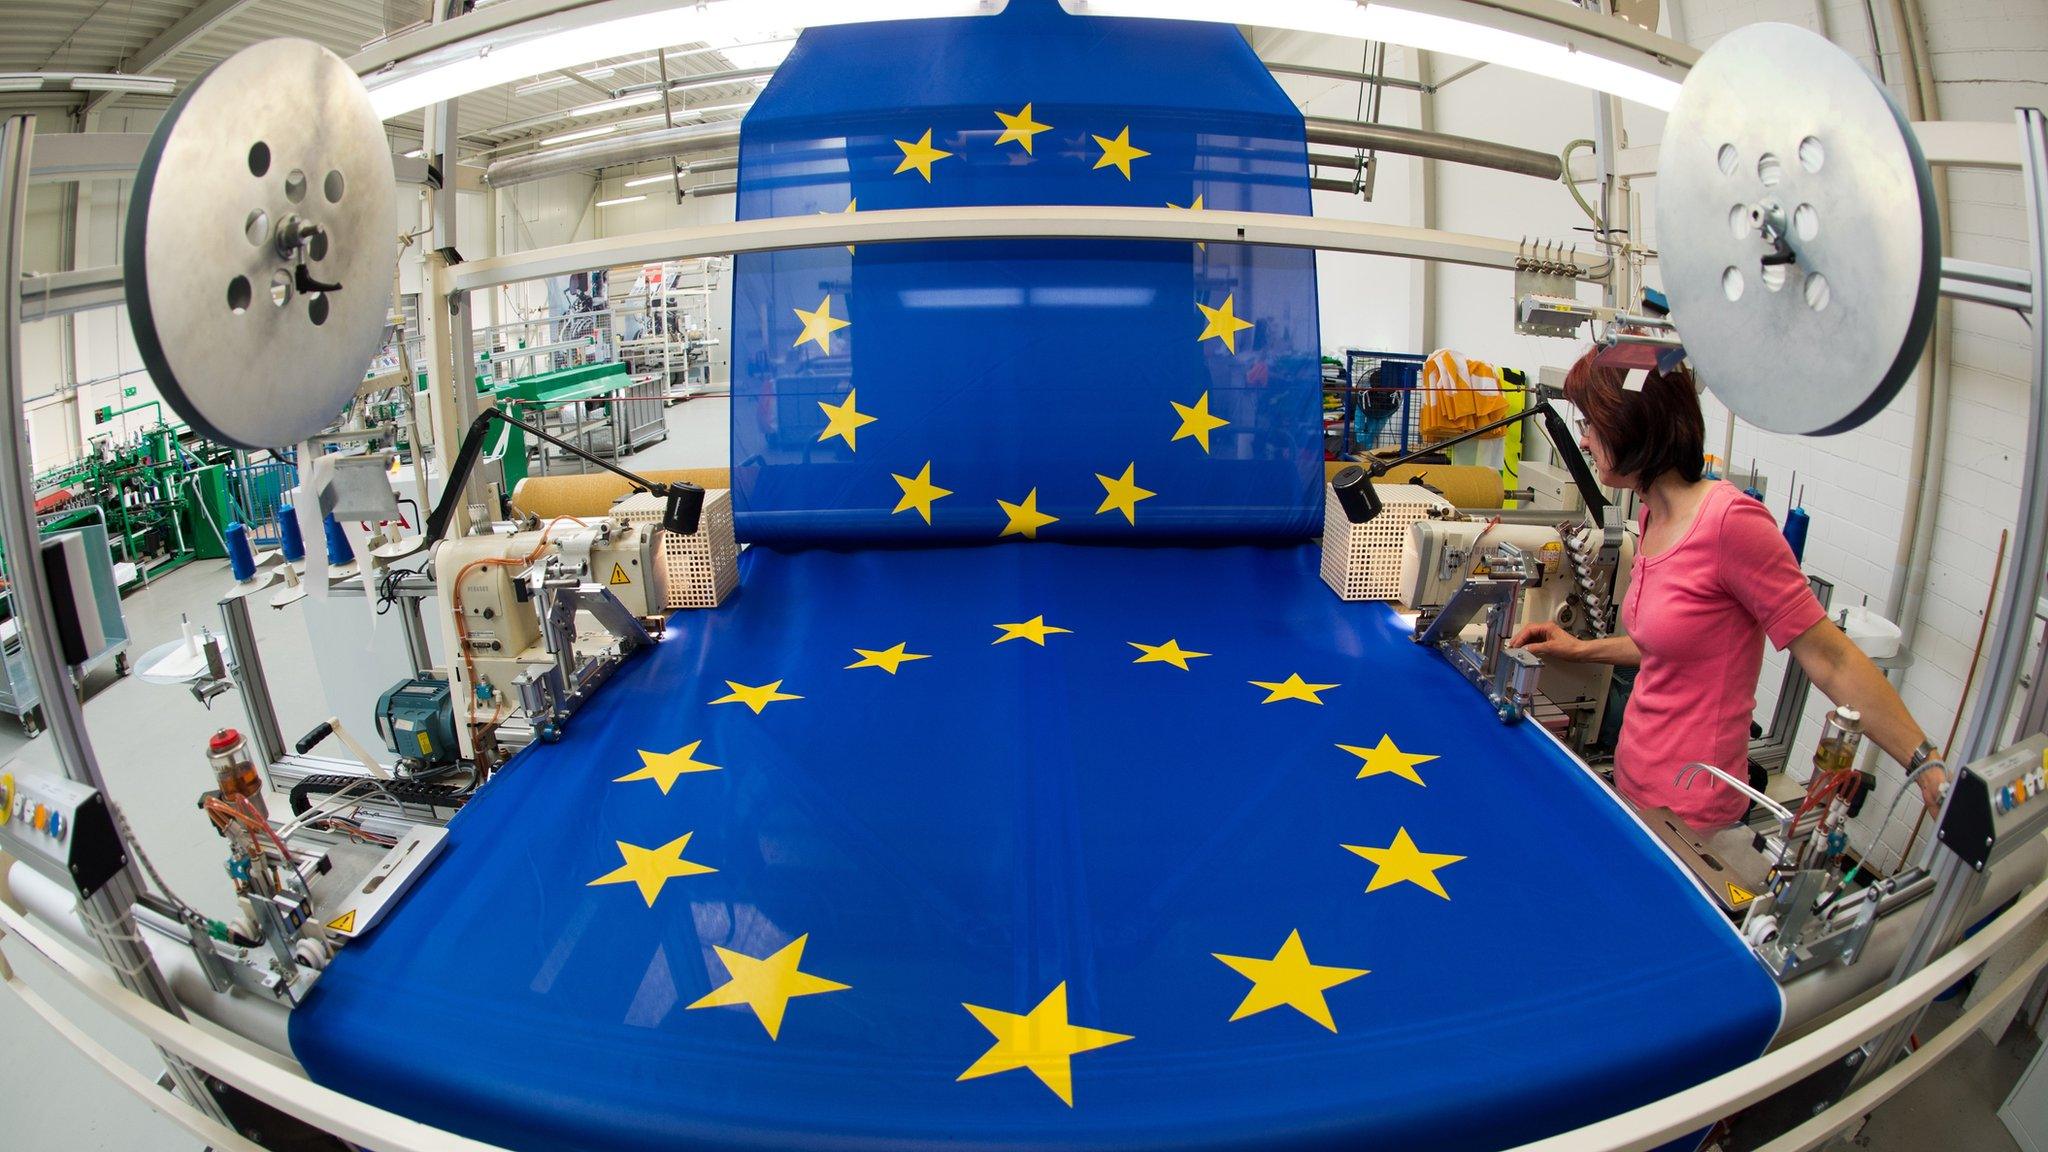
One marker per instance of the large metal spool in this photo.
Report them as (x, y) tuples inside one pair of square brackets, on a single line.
[(261, 243), (1797, 232)]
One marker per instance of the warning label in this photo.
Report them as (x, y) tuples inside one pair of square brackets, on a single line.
[(619, 575), (1737, 894), (346, 922)]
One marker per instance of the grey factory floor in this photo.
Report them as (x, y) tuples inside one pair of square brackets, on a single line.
[(150, 741)]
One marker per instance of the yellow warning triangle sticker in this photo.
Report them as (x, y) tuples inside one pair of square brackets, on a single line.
[(346, 922), (619, 575), (1737, 894)]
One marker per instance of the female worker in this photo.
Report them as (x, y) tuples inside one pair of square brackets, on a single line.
[(1713, 577)]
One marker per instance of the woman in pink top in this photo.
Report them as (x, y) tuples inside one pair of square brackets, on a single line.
[(1713, 578)]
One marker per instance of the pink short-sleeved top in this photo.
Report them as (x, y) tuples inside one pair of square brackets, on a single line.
[(1699, 611)]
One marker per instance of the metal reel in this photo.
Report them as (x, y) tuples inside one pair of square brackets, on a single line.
[(1797, 230), (261, 243)]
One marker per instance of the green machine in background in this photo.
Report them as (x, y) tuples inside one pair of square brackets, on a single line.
[(164, 502)]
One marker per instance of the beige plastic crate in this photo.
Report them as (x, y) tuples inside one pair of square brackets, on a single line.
[(1363, 561), (700, 570)]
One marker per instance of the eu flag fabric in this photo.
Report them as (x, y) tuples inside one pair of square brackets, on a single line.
[(1049, 389), (1045, 846)]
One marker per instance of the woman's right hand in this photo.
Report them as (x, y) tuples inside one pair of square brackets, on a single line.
[(1549, 641)]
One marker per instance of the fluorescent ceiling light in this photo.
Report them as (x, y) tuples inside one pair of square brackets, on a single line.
[(143, 85), (490, 59), (615, 104), (1430, 31), (618, 200), (581, 134), (644, 181), (533, 86), (86, 82), (416, 154)]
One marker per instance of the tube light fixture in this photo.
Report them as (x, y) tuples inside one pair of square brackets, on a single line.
[(86, 82), (520, 51), (644, 181), (618, 200), (581, 134), (1501, 36)]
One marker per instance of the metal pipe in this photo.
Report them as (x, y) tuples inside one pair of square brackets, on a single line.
[(1067, 222), (247, 669), (659, 144), (2030, 544), (727, 188), (1347, 74), (107, 912), (1434, 146)]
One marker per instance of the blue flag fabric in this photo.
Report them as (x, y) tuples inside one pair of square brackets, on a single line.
[(1014, 367), (997, 821)]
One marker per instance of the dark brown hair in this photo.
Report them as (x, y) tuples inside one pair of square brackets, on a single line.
[(1647, 433)]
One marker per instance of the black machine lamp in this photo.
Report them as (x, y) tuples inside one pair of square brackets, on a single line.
[(1355, 494), (1360, 503), (682, 504)]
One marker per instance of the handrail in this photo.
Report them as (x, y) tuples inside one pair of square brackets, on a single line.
[(1700, 1105), (1634, 1131), (343, 1116)]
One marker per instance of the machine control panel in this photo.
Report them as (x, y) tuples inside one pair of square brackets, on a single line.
[(1997, 803), (61, 828)]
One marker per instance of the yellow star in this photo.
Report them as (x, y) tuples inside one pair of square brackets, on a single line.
[(920, 156), (1122, 493), (888, 659), (820, 325), (1292, 688), (842, 421), (1223, 323), (650, 868), (755, 698), (1168, 653), (664, 767), (1041, 1041), (1402, 860), (1195, 421), (1119, 152), (1385, 757), (1288, 978), (1194, 207), (918, 492), (1034, 630), (1025, 518), (1020, 127), (766, 985)]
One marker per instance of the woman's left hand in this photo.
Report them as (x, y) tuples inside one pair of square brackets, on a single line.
[(1932, 782)]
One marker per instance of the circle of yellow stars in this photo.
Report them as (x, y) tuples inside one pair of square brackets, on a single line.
[(1023, 518), (1043, 1040)]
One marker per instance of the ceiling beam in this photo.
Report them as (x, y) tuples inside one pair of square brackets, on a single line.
[(204, 18)]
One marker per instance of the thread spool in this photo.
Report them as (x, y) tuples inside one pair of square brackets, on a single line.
[(338, 550), (1796, 524), (289, 540), (241, 558)]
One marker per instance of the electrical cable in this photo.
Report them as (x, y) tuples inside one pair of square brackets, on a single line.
[(1877, 838), (186, 911)]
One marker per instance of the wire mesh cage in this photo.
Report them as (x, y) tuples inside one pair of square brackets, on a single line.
[(1363, 561)]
